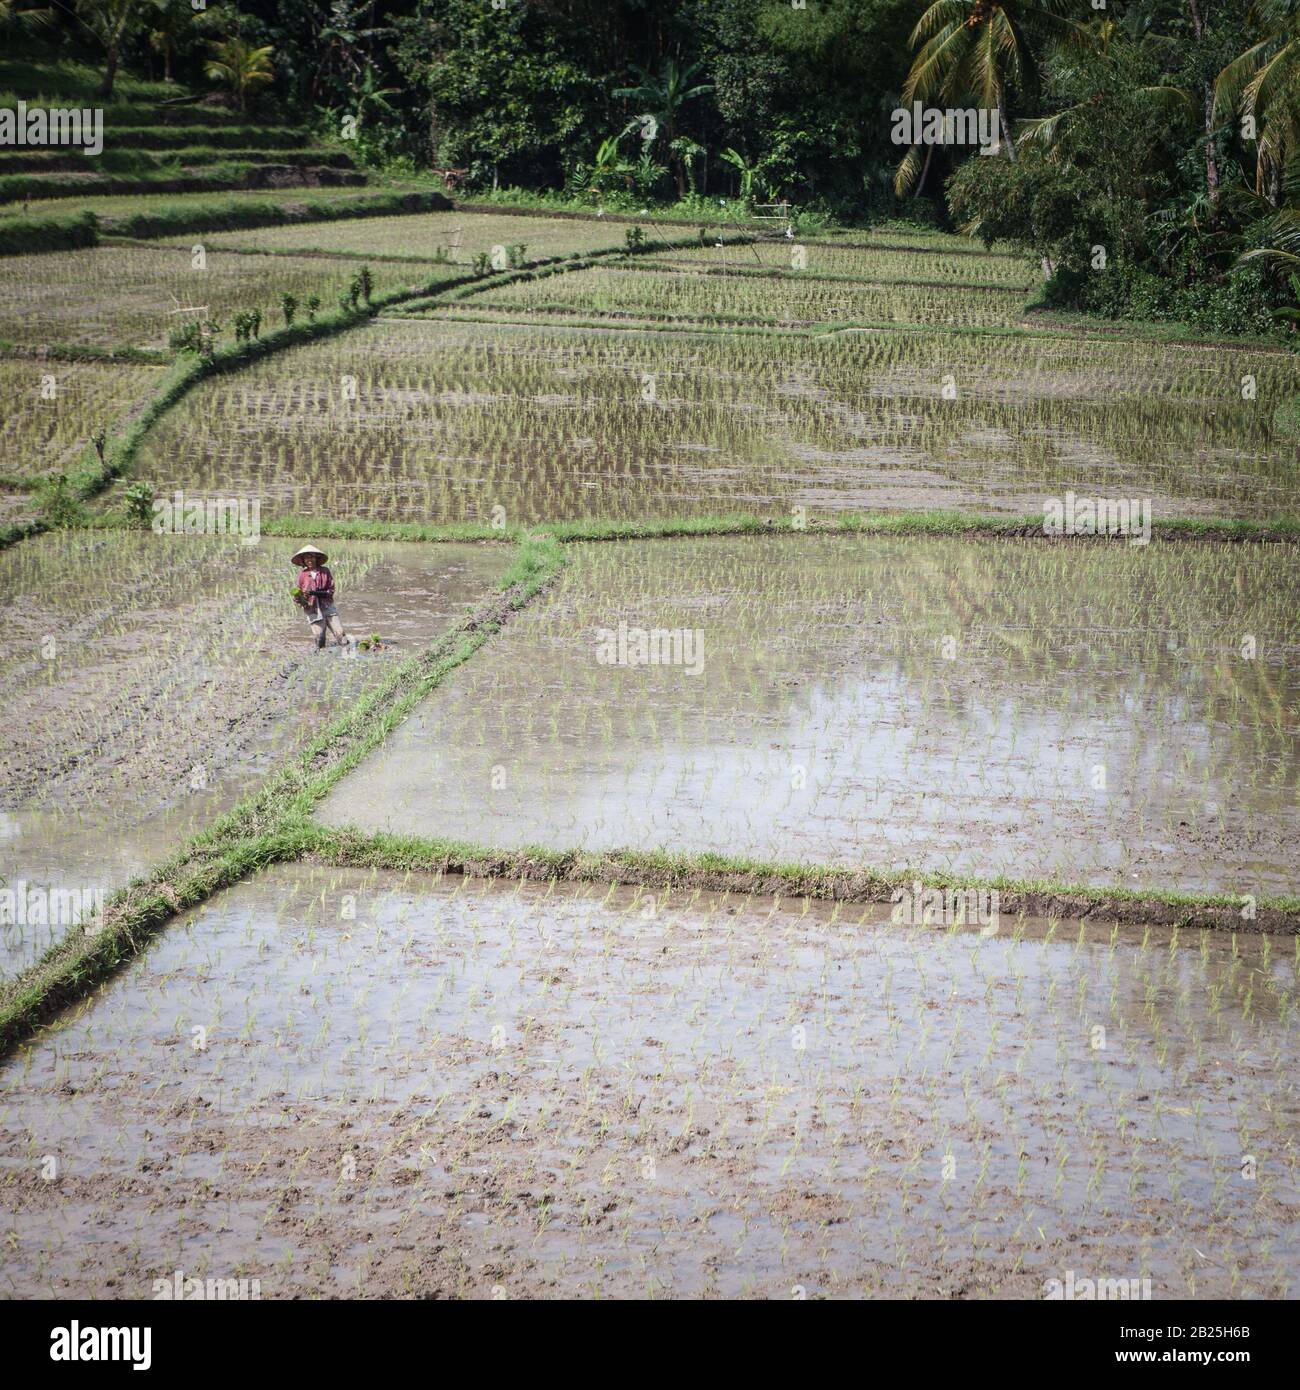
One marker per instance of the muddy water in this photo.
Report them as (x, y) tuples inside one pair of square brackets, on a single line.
[(1076, 713), (342, 1083), (136, 714), (44, 852)]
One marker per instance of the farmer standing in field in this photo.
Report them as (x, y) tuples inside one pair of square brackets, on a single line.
[(316, 595)]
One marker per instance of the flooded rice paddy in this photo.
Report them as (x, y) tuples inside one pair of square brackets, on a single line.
[(444, 421), (368, 1086), (1082, 713), (136, 712), (342, 1083)]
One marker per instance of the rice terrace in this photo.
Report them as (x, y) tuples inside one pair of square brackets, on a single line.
[(617, 686)]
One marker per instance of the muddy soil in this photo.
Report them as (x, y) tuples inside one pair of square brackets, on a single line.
[(132, 724), (343, 1084), (17, 508)]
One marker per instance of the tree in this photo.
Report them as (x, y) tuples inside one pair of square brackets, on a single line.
[(500, 90), (341, 63), (663, 97), (608, 166), (690, 152), (110, 23), (978, 50), (369, 95), (1263, 85), (1115, 115), (240, 66), (172, 25)]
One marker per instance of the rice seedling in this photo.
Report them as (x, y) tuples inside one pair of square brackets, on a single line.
[(874, 263), (138, 296), (50, 411), (406, 1088), (906, 236), (747, 298), (139, 711), (456, 237), (444, 422), (1086, 714)]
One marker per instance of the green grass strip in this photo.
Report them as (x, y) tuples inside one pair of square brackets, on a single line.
[(295, 210), (660, 869), (1282, 530), (33, 236), (268, 827), (86, 352)]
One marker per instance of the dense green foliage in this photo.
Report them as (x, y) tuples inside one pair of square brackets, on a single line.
[(27, 236), (235, 215), (1162, 133), (1138, 187)]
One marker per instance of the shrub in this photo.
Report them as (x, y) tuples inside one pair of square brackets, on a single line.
[(59, 504), (198, 335), (26, 236), (1236, 304), (248, 325), (139, 503), (1050, 210)]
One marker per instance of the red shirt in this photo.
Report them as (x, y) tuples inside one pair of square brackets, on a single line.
[(316, 584)]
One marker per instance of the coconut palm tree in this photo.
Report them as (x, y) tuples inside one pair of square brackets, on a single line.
[(239, 65), (170, 27), (978, 50), (1276, 232), (663, 97), (110, 23), (1262, 85), (1120, 58)]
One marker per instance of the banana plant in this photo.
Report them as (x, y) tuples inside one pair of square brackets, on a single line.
[(750, 174), (608, 166)]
